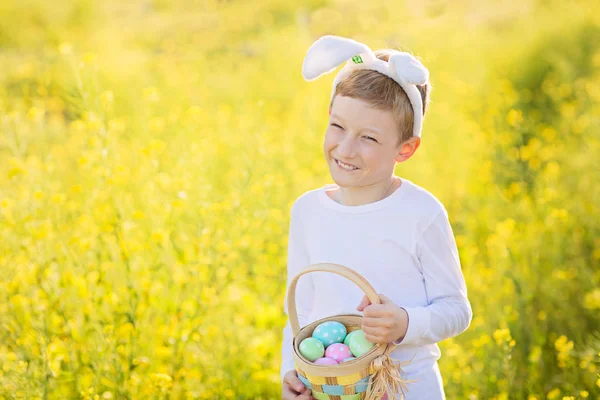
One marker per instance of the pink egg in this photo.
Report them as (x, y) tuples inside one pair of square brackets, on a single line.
[(325, 361), (338, 351)]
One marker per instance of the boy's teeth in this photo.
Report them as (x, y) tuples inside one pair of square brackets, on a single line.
[(345, 166)]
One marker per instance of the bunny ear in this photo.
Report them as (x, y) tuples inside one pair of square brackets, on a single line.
[(408, 68), (327, 53)]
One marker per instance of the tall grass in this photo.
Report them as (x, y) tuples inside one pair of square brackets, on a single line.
[(150, 151)]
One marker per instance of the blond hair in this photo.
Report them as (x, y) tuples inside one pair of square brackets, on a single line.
[(383, 93)]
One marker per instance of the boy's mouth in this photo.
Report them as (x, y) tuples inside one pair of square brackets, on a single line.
[(345, 167)]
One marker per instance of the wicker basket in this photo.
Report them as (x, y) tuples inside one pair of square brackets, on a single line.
[(368, 377)]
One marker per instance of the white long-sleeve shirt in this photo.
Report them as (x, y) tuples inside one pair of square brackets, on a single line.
[(404, 246)]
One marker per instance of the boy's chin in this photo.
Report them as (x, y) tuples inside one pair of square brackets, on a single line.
[(344, 181)]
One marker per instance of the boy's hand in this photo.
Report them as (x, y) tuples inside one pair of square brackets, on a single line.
[(293, 388), (383, 323)]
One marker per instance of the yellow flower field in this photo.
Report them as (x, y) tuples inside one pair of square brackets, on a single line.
[(150, 152)]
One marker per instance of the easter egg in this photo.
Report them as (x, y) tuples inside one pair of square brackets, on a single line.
[(348, 336), (338, 351), (330, 332), (326, 361), (312, 349), (359, 345), (349, 359)]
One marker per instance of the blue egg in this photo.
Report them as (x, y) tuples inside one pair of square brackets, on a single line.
[(330, 332)]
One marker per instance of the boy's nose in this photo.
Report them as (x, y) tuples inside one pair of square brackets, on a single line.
[(346, 149)]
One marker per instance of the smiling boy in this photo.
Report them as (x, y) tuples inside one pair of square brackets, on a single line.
[(394, 233)]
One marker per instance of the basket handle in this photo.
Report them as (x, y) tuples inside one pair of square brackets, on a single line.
[(327, 267)]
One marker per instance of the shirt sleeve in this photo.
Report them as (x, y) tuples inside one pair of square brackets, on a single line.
[(297, 259), (449, 312)]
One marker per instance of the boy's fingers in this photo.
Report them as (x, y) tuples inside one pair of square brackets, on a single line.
[(384, 298), (292, 380), (297, 385), (365, 302), (287, 393)]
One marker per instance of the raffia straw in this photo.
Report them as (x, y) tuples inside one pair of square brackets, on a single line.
[(386, 379)]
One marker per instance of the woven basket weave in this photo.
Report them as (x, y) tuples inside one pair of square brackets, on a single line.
[(368, 377)]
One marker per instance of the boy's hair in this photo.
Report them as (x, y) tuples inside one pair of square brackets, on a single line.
[(383, 93)]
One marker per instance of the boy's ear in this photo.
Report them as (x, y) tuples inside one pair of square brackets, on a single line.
[(408, 149)]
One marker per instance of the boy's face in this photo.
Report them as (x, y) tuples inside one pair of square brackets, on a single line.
[(366, 138)]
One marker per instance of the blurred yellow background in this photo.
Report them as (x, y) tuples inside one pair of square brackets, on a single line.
[(150, 152)]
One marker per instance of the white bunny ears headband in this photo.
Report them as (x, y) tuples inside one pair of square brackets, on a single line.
[(329, 51)]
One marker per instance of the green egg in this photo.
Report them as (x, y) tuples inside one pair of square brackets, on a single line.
[(348, 336), (359, 345), (312, 349)]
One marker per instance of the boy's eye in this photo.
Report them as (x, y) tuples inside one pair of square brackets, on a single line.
[(368, 137)]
